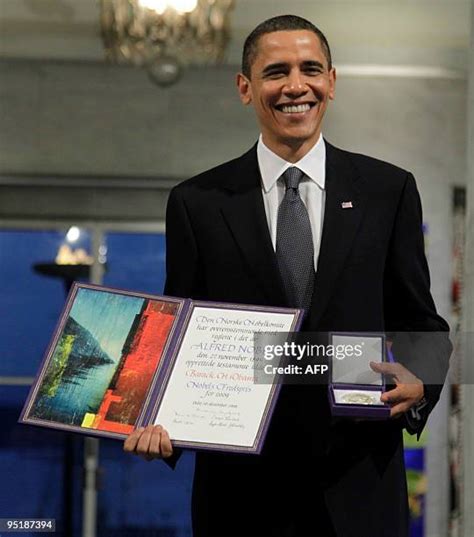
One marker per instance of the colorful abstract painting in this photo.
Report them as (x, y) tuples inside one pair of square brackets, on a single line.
[(105, 357)]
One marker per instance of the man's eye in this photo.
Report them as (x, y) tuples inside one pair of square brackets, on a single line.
[(313, 71), (274, 74)]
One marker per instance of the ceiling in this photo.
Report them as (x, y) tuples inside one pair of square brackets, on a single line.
[(430, 33)]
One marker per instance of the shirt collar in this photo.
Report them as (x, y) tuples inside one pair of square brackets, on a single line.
[(313, 164)]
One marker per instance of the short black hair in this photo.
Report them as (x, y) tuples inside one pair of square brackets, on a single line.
[(278, 24)]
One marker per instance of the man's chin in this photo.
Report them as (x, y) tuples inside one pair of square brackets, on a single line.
[(296, 140)]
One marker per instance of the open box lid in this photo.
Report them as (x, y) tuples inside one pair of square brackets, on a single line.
[(352, 356)]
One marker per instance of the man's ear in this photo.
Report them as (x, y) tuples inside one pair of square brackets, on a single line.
[(332, 83), (244, 87)]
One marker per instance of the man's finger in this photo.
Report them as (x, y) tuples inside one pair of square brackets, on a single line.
[(166, 447), (155, 442), (380, 367), (131, 441), (398, 410), (149, 443), (144, 441), (393, 396), (387, 368)]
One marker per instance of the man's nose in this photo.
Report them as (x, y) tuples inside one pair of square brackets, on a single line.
[(295, 84)]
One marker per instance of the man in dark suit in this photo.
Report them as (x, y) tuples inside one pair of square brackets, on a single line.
[(316, 477)]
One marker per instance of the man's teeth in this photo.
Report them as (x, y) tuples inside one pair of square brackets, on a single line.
[(295, 109)]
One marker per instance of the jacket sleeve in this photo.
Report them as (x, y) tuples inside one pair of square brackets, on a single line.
[(181, 263), (181, 250), (421, 336)]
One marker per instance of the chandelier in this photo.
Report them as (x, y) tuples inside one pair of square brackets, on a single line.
[(165, 35)]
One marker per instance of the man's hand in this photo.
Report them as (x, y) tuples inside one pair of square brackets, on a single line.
[(409, 389), (152, 442)]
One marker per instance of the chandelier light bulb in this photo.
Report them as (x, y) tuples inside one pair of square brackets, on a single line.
[(183, 6), (156, 5)]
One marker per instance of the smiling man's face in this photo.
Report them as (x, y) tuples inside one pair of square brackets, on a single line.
[(290, 87)]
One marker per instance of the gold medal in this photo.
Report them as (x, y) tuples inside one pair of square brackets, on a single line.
[(357, 398)]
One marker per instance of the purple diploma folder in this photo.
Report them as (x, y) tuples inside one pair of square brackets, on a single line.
[(119, 360)]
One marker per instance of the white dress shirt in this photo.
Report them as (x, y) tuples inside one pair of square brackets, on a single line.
[(311, 187)]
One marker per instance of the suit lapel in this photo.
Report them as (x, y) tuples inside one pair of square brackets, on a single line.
[(342, 216), (244, 212)]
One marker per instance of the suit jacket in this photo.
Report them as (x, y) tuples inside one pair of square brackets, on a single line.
[(372, 275)]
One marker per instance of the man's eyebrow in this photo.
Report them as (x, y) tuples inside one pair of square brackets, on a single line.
[(312, 63), (278, 66), (274, 67)]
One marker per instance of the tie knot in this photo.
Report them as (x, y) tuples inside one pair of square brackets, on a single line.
[(292, 177)]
